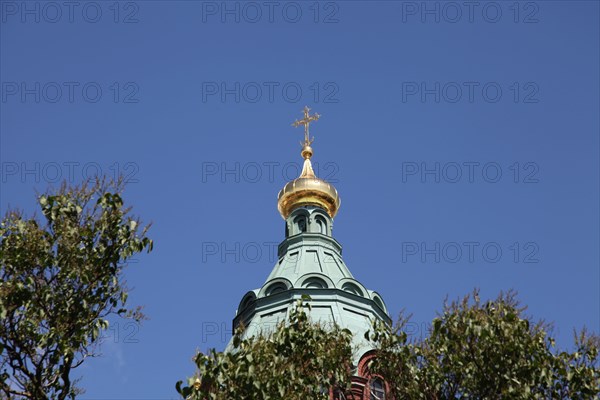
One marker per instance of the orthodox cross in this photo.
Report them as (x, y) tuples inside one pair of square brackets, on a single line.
[(306, 121)]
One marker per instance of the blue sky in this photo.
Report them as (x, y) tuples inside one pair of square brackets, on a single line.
[(462, 137)]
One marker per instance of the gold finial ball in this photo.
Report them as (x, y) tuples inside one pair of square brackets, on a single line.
[(307, 152)]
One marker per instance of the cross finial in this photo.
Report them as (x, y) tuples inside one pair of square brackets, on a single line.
[(306, 121)]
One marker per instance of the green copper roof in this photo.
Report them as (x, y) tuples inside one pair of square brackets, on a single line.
[(310, 262)]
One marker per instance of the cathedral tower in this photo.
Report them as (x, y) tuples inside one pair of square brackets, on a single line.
[(310, 263)]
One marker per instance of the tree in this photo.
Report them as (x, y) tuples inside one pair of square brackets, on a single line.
[(299, 360), (475, 350), (61, 278), (485, 350)]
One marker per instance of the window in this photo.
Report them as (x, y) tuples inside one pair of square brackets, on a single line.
[(377, 389), (276, 287), (315, 283), (300, 223), (321, 225), (246, 302), (379, 303), (352, 288)]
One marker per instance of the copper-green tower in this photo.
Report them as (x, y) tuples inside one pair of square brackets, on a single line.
[(310, 263)]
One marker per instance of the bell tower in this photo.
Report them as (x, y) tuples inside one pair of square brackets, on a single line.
[(310, 263)]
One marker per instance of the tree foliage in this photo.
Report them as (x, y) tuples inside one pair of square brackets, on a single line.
[(61, 279), (474, 350), (299, 360), (485, 350)]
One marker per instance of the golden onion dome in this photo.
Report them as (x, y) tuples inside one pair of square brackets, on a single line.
[(308, 189)]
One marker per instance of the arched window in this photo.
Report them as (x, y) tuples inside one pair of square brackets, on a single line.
[(276, 287), (320, 227), (315, 283), (378, 301), (300, 224), (377, 389), (352, 288), (246, 302)]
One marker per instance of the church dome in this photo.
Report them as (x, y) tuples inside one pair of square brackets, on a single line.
[(308, 189)]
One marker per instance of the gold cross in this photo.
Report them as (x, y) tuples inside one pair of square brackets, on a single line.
[(306, 121)]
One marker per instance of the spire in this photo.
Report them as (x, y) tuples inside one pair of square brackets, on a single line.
[(308, 189)]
